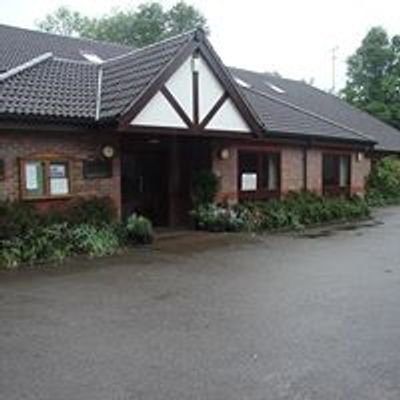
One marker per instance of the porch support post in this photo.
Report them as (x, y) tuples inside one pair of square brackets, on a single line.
[(173, 184)]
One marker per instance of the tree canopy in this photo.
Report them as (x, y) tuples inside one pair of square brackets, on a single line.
[(373, 73), (147, 24)]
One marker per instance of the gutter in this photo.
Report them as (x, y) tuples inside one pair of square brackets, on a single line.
[(29, 64)]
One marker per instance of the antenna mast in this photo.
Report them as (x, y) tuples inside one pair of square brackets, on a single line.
[(334, 58)]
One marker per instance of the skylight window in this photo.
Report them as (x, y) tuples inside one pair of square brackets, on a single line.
[(241, 82), (93, 58), (275, 88)]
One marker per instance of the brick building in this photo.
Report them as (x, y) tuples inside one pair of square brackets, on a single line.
[(85, 118)]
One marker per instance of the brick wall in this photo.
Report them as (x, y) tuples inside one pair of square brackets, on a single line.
[(75, 147), (227, 171), (292, 169), (314, 170), (292, 174), (360, 169)]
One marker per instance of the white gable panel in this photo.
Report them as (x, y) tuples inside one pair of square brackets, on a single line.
[(159, 112), (181, 86), (210, 89), (228, 118)]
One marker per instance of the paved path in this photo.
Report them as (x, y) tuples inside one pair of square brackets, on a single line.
[(314, 316)]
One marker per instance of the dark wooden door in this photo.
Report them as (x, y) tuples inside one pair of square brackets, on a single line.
[(145, 185)]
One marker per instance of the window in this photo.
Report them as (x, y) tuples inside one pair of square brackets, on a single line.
[(259, 175), (45, 178), (336, 173), (93, 169)]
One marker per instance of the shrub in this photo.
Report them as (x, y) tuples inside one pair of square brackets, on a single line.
[(93, 240), (16, 218), (205, 187), (97, 211), (41, 244), (215, 218), (383, 184), (296, 211), (139, 229)]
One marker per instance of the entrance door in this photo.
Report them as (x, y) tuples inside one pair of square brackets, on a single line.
[(145, 185)]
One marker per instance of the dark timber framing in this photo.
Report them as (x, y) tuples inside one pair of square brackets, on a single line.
[(198, 46)]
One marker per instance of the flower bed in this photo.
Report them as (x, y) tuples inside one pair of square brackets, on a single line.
[(88, 226)]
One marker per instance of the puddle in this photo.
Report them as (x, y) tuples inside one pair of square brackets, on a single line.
[(317, 235), (349, 227)]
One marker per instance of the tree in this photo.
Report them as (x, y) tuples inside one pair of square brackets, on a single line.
[(63, 22), (373, 72), (139, 27)]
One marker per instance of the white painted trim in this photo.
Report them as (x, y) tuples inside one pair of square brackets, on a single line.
[(98, 94), (24, 66)]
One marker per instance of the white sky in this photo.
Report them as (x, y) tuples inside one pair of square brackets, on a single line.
[(292, 37)]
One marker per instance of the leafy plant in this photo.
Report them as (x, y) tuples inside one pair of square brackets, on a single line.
[(139, 229), (204, 187), (94, 241), (383, 184), (296, 211)]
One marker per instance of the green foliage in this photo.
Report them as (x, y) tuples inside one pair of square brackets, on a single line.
[(373, 72), (147, 24), (16, 218), (214, 218), (204, 187), (139, 229), (94, 241), (383, 185), (296, 211), (85, 227)]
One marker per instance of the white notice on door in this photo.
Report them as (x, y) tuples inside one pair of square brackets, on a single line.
[(249, 182)]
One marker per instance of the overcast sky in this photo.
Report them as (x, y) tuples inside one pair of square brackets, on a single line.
[(294, 38)]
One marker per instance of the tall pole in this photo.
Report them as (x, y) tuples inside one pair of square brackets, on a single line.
[(334, 58)]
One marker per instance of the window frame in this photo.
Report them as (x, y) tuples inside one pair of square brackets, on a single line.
[(262, 192), (336, 189), (92, 176), (2, 170), (46, 162)]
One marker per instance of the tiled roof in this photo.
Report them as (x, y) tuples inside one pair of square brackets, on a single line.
[(281, 117), (128, 76), (323, 104), (17, 46), (62, 86), (55, 88)]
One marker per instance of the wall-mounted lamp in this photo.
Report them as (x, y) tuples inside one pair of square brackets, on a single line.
[(224, 154), (359, 156), (108, 151)]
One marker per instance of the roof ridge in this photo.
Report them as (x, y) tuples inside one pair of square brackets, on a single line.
[(22, 67), (134, 51), (313, 114), (81, 39)]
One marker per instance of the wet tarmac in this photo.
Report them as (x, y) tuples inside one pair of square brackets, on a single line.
[(311, 315)]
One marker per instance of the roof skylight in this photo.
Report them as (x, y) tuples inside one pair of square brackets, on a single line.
[(94, 58), (241, 82), (275, 88)]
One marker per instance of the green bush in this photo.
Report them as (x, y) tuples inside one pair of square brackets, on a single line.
[(383, 184), (93, 240), (16, 218), (139, 229), (87, 226), (204, 187), (215, 218), (296, 211)]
